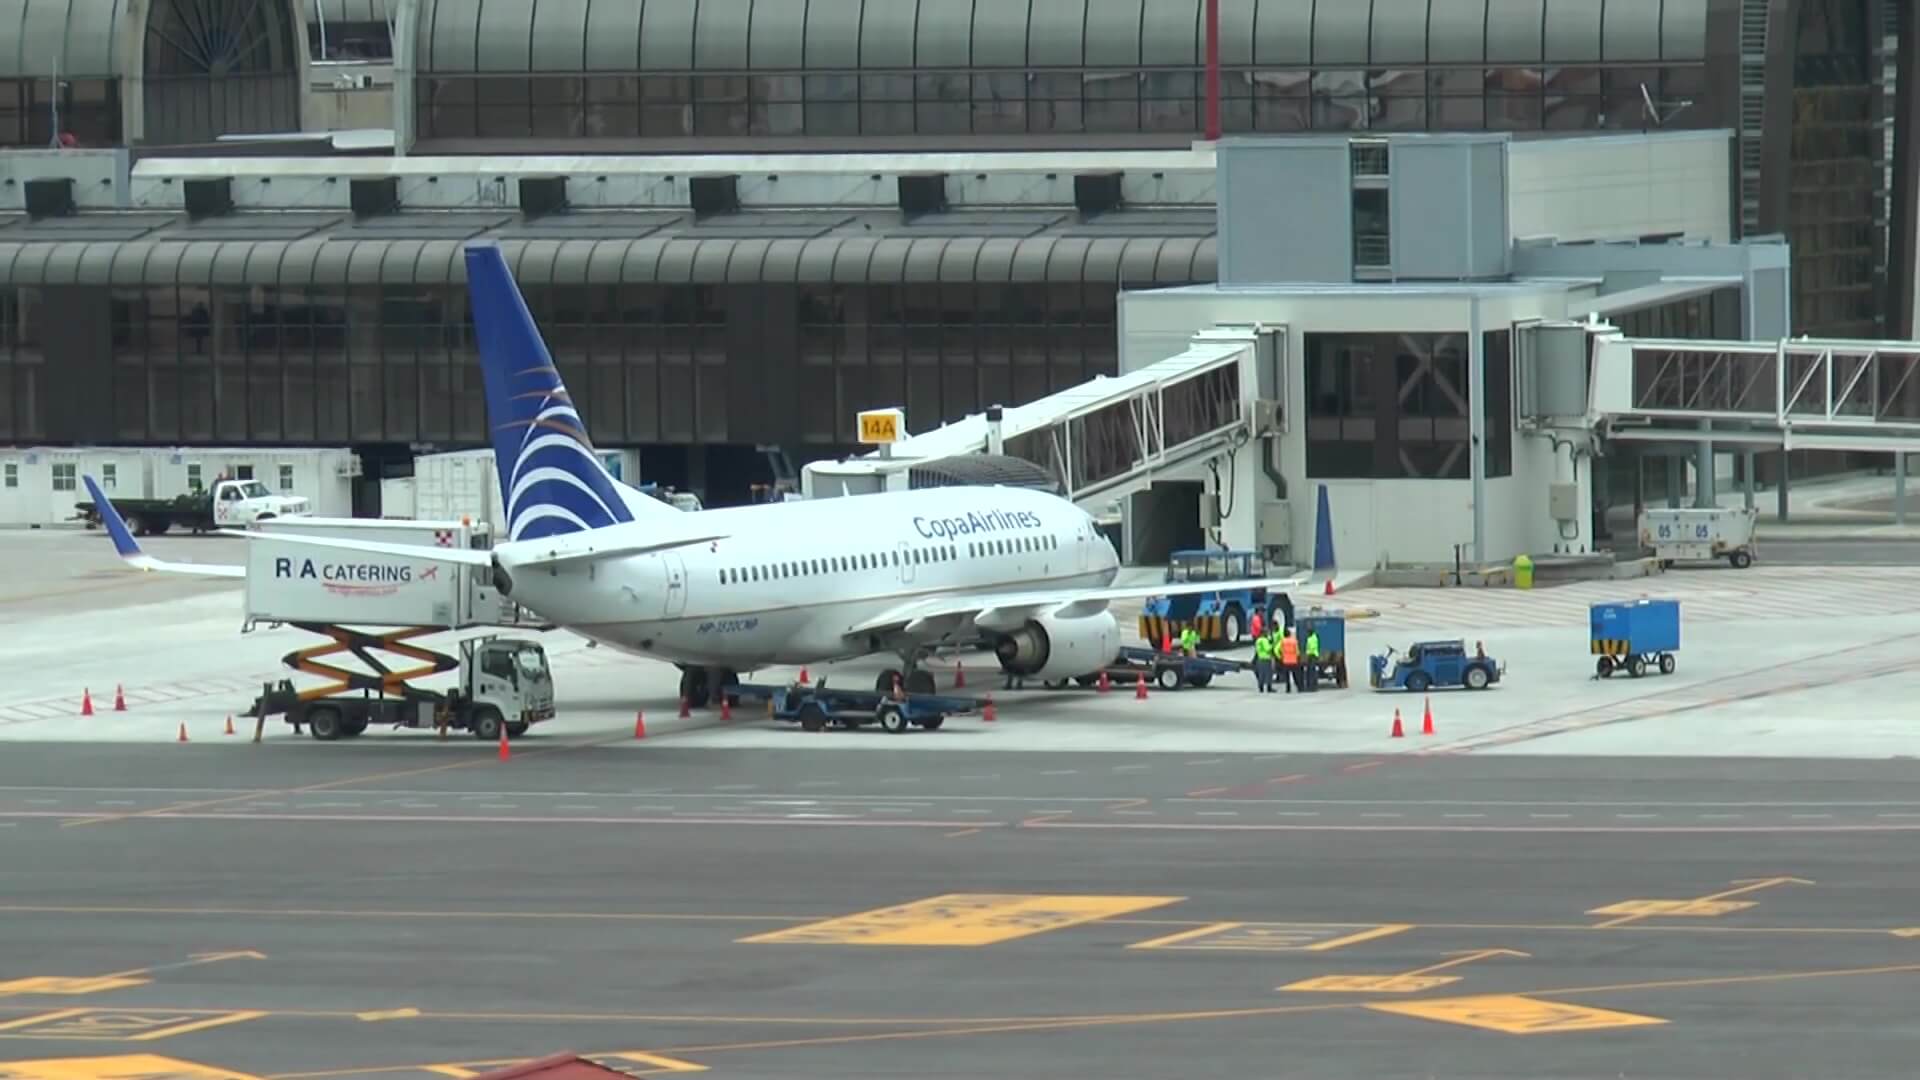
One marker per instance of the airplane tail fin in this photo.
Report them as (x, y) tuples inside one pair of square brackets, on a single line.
[(551, 480)]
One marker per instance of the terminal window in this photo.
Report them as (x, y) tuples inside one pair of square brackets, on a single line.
[(1396, 406)]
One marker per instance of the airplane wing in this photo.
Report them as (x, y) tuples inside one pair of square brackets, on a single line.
[(129, 548), (577, 551), (1009, 610)]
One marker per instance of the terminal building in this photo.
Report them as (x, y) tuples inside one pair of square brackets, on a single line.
[(743, 221)]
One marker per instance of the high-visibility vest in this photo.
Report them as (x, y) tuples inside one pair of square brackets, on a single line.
[(1263, 648), (1189, 637), (1289, 650), (1313, 646)]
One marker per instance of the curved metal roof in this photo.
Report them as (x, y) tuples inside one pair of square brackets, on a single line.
[(481, 36), (665, 256), (74, 39)]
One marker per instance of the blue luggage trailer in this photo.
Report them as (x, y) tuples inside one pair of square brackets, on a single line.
[(1332, 628), (1634, 634), (815, 707)]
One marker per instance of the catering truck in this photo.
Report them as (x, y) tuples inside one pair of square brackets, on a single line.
[(367, 602)]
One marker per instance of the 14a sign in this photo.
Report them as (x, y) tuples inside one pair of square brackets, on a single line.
[(882, 426)]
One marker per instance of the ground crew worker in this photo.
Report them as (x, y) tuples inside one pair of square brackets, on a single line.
[(1256, 625), (1263, 663), (1189, 641), (1313, 661), (1290, 661)]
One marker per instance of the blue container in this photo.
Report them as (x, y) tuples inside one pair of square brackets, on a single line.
[(1635, 628), (1330, 625)]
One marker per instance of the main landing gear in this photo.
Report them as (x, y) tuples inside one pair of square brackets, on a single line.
[(914, 680), (701, 687)]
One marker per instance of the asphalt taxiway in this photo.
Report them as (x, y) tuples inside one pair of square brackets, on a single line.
[(282, 911)]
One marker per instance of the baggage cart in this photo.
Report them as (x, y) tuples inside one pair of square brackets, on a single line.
[(1634, 635)]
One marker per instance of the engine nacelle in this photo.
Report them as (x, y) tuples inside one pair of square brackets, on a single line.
[(1053, 648)]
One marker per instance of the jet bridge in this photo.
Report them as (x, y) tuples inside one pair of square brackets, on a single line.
[(1103, 439), (1792, 394)]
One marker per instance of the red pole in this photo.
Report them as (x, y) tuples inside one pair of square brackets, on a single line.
[(1213, 70)]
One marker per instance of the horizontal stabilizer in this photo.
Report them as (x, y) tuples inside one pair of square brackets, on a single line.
[(129, 548)]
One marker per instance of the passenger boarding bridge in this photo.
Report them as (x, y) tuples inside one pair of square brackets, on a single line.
[(1105, 438)]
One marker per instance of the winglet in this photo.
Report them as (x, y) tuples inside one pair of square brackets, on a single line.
[(123, 541), (129, 548)]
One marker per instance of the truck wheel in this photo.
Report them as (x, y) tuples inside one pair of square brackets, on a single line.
[(1419, 681), (812, 716), (1232, 626), (1603, 667), (323, 723), (892, 720), (516, 730), (1477, 678), (353, 727), (934, 723), (1169, 678), (486, 723), (1201, 679), (1636, 667), (1666, 663), (1740, 560)]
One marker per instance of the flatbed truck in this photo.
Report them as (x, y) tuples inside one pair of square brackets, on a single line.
[(228, 504), (816, 707), (1168, 670)]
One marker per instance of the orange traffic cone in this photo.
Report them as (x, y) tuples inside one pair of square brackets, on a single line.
[(1140, 688), (639, 725), (726, 708), (684, 710), (1329, 589), (183, 732), (86, 702), (1426, 722), (803, 675), (119, 699), (229, 723), (989, 714), (1106, 684), (1398, 733), (505, 753)]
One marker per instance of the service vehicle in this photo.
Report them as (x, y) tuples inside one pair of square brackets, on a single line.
[(228, 504), (1168, 670), (1634, 635), (1221, 616), (816, 706), (1700, 535), (505, 687), (1430, 664), (1331, 625)]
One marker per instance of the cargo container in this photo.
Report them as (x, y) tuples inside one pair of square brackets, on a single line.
[(1675, 535), (1634, 634), (291, 582)]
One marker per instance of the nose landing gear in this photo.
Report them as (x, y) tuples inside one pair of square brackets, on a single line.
[(702, 687)]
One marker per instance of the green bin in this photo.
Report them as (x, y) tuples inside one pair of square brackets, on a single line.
[(1523, 573)]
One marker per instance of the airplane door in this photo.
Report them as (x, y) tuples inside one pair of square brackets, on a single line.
[(676, 584), (906, 564)]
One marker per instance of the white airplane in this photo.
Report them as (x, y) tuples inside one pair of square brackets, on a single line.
[(718, 592)]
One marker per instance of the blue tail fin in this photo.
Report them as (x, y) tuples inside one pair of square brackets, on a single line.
[(551, 482)]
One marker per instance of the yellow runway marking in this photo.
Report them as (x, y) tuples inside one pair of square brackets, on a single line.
[(64, 984), (1272, 937), (121, 1067), (1515, 1015), (1710, 905), (118, 1025), (962, 919), (1405, 982)]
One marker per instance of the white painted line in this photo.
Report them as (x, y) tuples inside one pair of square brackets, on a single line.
[(1217, 813), (1060, 772), (1382, 815), (1635, 817), (1811, 817), (115, 802), (575, 806), (1463, 815), (1299, 813), (1549, 815)]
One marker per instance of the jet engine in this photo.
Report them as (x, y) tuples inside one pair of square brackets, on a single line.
[(1055, 648)]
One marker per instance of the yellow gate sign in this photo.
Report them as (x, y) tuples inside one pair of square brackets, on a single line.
[(879, 426)]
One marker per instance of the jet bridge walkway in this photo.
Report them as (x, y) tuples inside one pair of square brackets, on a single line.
[(1792, 394), (1099, 440)]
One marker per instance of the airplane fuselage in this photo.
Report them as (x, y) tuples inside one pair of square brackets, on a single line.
[(790, 580)]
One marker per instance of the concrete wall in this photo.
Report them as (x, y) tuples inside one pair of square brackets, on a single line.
[(100, 177), (1622, 186), (1291, 204)]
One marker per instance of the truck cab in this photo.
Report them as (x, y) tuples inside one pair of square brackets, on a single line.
[(506, 681), (243, 502), (1222, 618)]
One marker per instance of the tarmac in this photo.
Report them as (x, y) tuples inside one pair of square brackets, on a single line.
[(788, 914), (1644, 878)]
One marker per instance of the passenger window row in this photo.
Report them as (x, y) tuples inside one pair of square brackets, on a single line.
[(921, 556)]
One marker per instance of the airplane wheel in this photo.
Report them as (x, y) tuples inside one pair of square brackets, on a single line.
[(919, 682), (883, 683)]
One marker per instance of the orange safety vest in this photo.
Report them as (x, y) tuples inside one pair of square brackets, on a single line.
[(1289, 651)]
